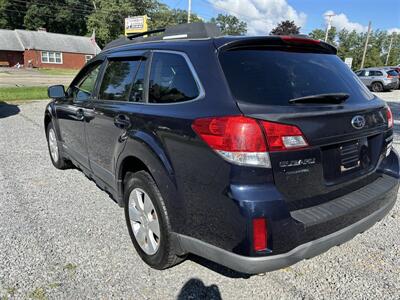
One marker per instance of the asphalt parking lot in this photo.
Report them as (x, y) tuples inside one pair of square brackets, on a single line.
[(63, 238)]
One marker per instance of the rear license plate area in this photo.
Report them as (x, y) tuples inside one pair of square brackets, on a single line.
[(349, 156), (346, 158)]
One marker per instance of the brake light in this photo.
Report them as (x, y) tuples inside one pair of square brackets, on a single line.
[(283, 137), (259, 234), (389, 117), (237, 139), (390, 76), (241, 140), (299, 40)]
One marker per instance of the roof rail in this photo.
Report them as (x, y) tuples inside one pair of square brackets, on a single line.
[(136, 35), (181, 31)]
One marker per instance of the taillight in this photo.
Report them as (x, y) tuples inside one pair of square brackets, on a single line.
[(283, 137), (237, 139), (389, 117), (241, 140), (390, 76), (259, 234)]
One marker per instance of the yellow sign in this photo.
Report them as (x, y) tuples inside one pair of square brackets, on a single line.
[(136, 24)]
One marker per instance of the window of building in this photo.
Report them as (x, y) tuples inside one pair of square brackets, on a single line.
[(88, 57), (51, 57), (119, 78), (171, 79)]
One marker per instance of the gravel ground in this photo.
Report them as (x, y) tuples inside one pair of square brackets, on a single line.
[(63, 238)]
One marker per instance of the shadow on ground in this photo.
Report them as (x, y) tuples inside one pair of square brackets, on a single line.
[(195, 289), (217, 267), (7, 110)]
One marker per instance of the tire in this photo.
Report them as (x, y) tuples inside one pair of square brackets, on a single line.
[(55, 154), (377, 87), (155, 247)]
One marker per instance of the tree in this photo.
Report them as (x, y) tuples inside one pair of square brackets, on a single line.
[(11, 16), (108, 19), (286, 28), (230, 25), (394, 57), (319, 34), (62, 16), (162, 16)]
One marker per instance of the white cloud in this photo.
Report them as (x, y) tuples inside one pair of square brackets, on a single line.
[(393, 30), (261, 16), (341, 21)]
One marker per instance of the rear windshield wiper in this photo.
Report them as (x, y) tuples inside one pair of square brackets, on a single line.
[(332, 98)]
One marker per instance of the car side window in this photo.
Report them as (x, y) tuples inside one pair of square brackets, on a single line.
[(137, 91), (84, 89), (119, 79), (171, 79)]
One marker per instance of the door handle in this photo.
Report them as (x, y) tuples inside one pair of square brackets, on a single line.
[(79, 114), (122, 121)]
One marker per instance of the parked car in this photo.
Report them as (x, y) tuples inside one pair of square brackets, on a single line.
[(379, 79), (397, 70), (228, 147)]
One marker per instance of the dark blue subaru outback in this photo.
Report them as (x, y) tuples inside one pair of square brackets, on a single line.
[(253, 152)]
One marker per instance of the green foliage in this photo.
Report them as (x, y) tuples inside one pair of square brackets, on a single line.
[(286, 28), (351, 44), (162, 16), (317, 34), (10, 16), (108, 19), (230, 25), (23, 93)]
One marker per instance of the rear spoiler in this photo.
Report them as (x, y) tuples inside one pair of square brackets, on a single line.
[(279, 41)]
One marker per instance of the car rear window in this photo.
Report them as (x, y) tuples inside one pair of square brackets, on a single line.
[(392, 73), (273, 77)]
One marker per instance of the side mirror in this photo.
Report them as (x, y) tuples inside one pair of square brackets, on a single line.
[(56, 91)]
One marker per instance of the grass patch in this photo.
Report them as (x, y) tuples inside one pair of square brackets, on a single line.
[(54, 285), (38, 294), (58, 71), (23, 93), (70, 267), (11, 291)]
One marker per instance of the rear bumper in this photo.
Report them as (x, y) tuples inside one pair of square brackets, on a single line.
[(381, 196), (391, 85), (254, 265)]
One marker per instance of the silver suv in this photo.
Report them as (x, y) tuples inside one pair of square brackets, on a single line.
[(378, 79)]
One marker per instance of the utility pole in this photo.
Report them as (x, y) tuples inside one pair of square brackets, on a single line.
[(390, 49), (189, 10), (328, 27), (366, 45)]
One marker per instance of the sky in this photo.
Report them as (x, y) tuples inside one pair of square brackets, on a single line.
[(263, 15)]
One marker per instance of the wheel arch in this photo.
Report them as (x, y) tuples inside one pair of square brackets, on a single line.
[(139, 155)]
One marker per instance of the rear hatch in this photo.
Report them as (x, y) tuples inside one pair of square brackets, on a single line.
[(303, 83)]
